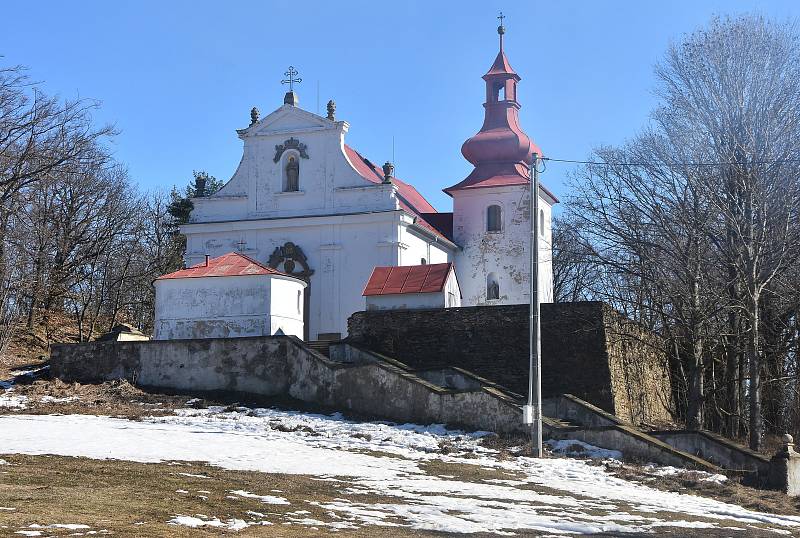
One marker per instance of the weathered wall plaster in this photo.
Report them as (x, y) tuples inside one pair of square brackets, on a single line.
[(504, 253), (231, 306)]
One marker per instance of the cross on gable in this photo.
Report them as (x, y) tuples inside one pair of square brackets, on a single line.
[(292, 78)]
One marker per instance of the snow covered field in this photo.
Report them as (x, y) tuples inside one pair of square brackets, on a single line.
[(388, 462)]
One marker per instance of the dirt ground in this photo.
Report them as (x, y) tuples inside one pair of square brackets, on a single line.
[(135, 499)]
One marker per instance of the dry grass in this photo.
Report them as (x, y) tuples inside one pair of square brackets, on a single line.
[(730, 491), (135, 499)]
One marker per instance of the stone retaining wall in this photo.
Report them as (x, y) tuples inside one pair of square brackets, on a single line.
[(716, 449), (588, 350), (285, 366), (353, 379)]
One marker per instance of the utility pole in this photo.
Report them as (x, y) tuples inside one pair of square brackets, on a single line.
[(532, 412)]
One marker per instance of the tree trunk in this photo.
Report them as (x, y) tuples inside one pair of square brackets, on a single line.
[(756, 418)]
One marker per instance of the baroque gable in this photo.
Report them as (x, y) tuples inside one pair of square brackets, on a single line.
[(289, 120)]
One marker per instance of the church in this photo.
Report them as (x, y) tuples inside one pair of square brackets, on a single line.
[(302, 201)]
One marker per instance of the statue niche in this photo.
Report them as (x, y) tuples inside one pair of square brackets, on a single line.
[(292, 175)]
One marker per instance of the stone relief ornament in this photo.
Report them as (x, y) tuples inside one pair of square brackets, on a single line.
[(290, 256), (292, 143)]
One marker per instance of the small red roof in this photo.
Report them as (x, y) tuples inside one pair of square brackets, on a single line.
[(408, 279), (231, 264)]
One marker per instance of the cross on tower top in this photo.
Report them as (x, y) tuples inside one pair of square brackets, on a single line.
[(292, 78), (501, 29)]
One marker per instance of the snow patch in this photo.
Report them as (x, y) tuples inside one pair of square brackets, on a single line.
[(266, 499), (12, 400), (666, 470), (52, 399), (190, 475), (196, 522), (553, 495), (579, 449)]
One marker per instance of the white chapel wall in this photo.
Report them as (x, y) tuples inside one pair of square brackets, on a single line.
[(415, 247), (212, 307)]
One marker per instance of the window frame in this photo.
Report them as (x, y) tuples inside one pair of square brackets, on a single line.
[(499, 218)]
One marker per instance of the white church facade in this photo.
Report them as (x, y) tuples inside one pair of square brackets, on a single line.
[(305, 203)]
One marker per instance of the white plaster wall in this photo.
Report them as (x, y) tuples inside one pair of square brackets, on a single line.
[(212, 307), (286, 306), (452, 287), (504, 253), (416, 245), (406, 301), (328, 182), (342, 251)]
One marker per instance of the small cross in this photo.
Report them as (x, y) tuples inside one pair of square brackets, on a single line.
[(241, 245), (292, 78), (501, 17)]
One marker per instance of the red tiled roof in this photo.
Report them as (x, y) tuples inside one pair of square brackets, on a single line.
[(408, 279), (231, 264), (410, 199)]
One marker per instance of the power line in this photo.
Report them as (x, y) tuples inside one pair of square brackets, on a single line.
[(684, 164)]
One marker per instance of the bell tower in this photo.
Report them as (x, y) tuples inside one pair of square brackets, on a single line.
[(491, 215)]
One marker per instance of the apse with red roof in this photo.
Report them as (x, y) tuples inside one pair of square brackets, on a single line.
[(229, 296), (413, 287)]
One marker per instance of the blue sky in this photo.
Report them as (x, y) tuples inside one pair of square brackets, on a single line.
[(177, 78)]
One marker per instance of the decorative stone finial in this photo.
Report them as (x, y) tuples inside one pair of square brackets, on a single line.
[(253, 116), (788, 442), (291, 99), (331, 110), (388, 170)]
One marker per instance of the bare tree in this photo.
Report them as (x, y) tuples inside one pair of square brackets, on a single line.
[(696, 222), (732, 92)]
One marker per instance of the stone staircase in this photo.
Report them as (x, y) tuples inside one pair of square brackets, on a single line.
[(323, 347)]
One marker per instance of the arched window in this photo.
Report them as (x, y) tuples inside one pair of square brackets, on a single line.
[(494, 218), (492, 287), (291, 176), (541, 222), (500, 92), (299, 301), (423, 261)]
